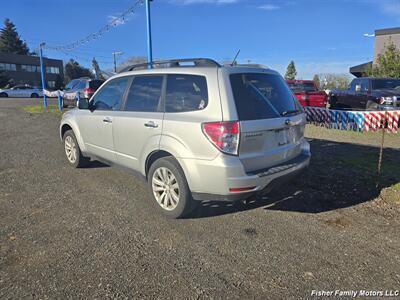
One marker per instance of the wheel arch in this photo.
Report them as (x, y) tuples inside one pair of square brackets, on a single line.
[(64, 127), (152, 157)]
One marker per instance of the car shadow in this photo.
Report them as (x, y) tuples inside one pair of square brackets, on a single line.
[(95, 164), (340, 175)]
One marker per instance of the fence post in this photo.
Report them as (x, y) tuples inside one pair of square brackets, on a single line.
[(59, 101), (42, 75)]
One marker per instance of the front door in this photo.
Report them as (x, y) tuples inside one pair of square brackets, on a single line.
[(97, 126)]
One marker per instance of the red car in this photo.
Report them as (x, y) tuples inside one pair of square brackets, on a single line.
[(307, 93)]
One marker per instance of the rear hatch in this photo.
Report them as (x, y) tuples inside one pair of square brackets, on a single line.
[(271, 120)]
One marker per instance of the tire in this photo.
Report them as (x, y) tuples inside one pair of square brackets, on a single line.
[(371, 105), (3, 95), (72, 151), (177, 201), (34, 95)]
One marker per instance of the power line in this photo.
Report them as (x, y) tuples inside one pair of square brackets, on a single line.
[(121, 19)]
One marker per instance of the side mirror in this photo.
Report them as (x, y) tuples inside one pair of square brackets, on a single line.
[(83, 103)]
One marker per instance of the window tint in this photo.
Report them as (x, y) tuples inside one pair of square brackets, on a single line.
[(81, 85), (353, 84), (144, 94), (95, 84), (71, 84), (364, 85), (110, 96), (186, 93), (261, 96)]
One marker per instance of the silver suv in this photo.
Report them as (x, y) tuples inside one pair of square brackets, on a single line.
[(195, 130)]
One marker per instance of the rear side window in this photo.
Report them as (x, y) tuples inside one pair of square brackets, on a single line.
[(145, 94), (80, 85), (95, 84), (110, 95), (186, 93), (261, 96)]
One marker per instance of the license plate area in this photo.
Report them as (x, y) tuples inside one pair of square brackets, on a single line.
[(283, 136)]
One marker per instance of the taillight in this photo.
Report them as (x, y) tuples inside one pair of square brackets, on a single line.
[(88, 90), (223, 135)]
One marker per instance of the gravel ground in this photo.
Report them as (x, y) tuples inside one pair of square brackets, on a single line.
[(93, 233)]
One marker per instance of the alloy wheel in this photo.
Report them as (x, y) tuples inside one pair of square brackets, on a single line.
[(70, 149), (165, 188)]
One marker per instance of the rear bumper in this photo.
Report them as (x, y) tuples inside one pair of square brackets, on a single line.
[(216, 180)]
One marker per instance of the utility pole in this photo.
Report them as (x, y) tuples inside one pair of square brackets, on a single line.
[(149, 44), (115, 59), (42, 75)]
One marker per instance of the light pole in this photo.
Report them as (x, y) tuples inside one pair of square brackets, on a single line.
[(42, 74), (115, 59), (149, 44)]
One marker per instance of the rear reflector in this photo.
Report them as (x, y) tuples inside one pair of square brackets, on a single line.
[(244, 189)]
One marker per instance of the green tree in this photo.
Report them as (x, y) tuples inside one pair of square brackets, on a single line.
[(387, 63), (96, 68), (317, 81), (74, 70), (4, 79), (291, 71), (334, 81), (10, 41)]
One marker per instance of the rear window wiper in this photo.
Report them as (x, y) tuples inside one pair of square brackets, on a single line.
[(289, 112)]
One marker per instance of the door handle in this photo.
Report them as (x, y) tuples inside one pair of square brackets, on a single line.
[(107, 120), (151, 124)]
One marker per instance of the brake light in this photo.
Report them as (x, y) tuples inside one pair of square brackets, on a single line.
[(223, 135), (88, 90)]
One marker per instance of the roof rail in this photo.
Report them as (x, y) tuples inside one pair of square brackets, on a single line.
[(198, 62), (250, 65)]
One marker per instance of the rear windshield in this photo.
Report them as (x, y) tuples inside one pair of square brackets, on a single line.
[(95, 84), (71, 84), (262, 96), (302, 86)]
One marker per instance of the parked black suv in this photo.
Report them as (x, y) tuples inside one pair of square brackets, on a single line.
[(85, 86)]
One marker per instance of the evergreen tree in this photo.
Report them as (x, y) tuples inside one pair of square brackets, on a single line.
[(387, 64), (291, 71), (10, 41), (59, 84), (317, 81), (96, 68), (74, 70)]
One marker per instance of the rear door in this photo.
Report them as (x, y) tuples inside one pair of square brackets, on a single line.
[(271, 120), (138, 126)]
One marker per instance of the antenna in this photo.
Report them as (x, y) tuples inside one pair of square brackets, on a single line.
[(234, 60)]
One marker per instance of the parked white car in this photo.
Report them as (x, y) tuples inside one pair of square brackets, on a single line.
[(22, 91)]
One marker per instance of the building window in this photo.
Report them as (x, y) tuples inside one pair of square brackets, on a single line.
[(52, 70), (51, 84), (30, 68), (8, 67)]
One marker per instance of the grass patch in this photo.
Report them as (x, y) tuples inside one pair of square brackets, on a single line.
[(396, 187), (51, 108)]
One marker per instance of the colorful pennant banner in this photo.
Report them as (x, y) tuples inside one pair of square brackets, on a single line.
[(354, 120)]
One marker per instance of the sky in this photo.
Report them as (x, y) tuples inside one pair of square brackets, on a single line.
[(321, 36)]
